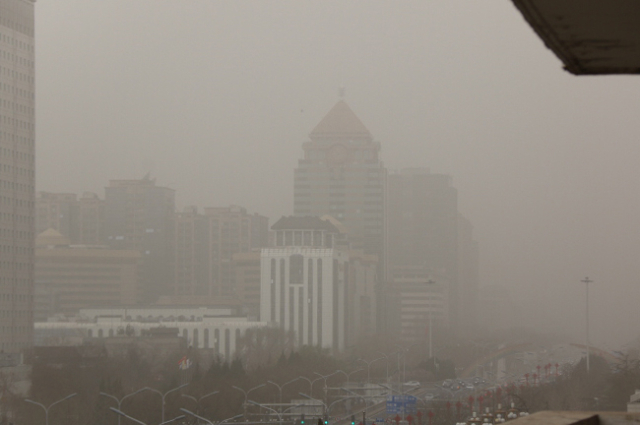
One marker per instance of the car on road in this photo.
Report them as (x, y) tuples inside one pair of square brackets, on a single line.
[(412, 384)]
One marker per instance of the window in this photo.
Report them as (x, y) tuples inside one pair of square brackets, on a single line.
[(296, 269)]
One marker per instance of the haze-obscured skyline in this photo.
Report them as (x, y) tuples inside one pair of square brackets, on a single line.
[(216, 98)]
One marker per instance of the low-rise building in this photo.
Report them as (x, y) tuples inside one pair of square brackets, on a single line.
[(213, 329)]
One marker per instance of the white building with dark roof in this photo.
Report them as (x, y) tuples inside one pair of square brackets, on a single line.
[(303, 282)]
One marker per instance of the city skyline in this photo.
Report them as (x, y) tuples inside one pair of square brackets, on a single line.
[(544, 161)]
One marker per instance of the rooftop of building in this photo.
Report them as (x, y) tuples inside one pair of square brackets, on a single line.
[(305, 223), (342, 122)]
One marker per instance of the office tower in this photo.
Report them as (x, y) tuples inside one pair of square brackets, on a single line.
[(90, 219), (17, 173), (423, 240), (205, 248), (231, 231), (140, 216), (303, 282), (341, 175), (57, 211), (247, 282), (192, 254), (81, 220), (72, 277)]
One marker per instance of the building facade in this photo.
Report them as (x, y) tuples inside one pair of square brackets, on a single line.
[(90, 219), (69, 278), (304, 284), (79, 219), (206, 245), (341, 175), (140, 216), (192, 254), (231, 231), (247, 282), (57, 211), (423, 246), (212, 329), (17, 173)]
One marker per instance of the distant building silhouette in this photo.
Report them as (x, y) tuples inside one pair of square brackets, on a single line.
[(341, 175), (72, 277), (423, 246), (79, 219), (140, 216), (205, 246)]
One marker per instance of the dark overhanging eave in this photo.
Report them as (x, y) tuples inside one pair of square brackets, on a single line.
[(590, 37)]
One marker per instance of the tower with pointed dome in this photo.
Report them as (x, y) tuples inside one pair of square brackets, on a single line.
[(341, 175)]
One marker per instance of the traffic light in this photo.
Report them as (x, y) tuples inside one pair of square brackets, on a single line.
[(302, 419), (353, 420)]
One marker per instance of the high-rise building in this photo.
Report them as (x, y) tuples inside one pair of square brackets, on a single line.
[(17, 173), (140, 216), (231, 231), (247, 282), (90, 219), (341, 175), (192, 254), (81, 220), (205, 247), (423, 246), (58, 211)]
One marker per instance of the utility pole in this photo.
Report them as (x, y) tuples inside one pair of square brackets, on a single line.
[(586, 282), (430, 282)]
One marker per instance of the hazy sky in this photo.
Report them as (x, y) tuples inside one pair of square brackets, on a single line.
[(215, 99)]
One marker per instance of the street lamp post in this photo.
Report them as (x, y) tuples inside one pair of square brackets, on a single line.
[(387, 362), (164, 395), (119, 401), (369, 363), (324, 405), (430, 282), (188, 412), (121, 413), (586, 282), (404, 352), (310, 382), (246, 395), (324, 378), (280, 387), (46, 409), (279, 414), (198, 400), (229, 419), (348, 375)]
